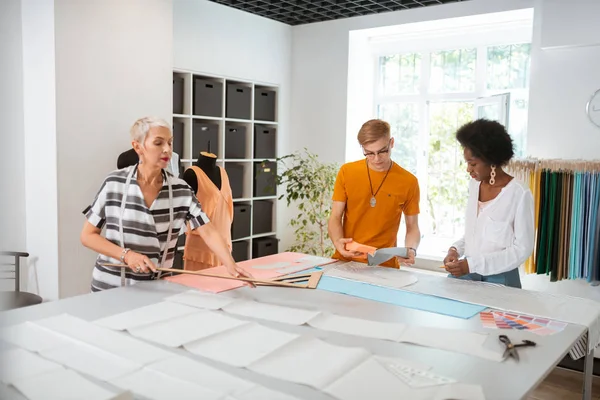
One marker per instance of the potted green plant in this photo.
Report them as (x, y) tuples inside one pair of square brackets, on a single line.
[(308, 185)]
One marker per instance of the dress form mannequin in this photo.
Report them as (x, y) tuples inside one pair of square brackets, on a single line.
[(211, 186), (207, 162)]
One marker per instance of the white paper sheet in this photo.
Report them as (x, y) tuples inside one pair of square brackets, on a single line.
[(114, 342), (358, 326), (197, 299), (92, 361), (241, 346), (316, 260), (379, 276), (10, 393), (33, 337), (296, 267), (65, 384), (372, 379), (262, 393), (310, 361), (458, 341), (271, 312), (188, 328), (274, 265), (18, 363), (145, 315), (201, 374), (563, 308), (157, 386)]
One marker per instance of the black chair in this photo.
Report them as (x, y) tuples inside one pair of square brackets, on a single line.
[(15, 299)]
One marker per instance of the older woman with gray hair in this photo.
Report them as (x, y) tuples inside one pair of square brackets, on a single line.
[(143, 207)]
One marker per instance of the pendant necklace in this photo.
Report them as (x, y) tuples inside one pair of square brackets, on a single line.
[(373, 201)]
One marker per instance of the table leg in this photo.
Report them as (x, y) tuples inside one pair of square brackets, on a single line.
[(588, 368)]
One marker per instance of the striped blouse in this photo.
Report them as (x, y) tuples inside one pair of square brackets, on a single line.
[(145, 228)]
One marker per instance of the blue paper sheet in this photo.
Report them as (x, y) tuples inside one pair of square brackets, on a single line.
[(399, 297)]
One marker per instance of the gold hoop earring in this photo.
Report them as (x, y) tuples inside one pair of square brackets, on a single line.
[(493, 175)]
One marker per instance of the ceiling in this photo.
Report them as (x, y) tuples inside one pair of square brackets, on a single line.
[(297, 12)]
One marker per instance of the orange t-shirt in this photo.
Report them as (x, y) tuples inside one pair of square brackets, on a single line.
[(218, 206), (375, 226)]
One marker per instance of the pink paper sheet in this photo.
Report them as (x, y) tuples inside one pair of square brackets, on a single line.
[(217, 285)]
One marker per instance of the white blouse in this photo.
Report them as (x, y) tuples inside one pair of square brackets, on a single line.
[(499, 237)]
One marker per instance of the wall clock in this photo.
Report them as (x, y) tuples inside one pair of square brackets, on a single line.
[(593, 108)]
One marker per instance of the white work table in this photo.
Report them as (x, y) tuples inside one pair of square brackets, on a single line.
[(499, 380)]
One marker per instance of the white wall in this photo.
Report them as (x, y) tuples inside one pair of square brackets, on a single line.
[(39, 125), (214, 39), (564, 74), (113, 65), (320, 70), (12, 208)]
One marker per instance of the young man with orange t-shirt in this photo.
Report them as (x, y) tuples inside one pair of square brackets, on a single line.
[(370, 197)]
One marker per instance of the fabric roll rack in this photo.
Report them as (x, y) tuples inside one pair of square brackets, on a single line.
[(567, 218)]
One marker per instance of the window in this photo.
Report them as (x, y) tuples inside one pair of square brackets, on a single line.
[(426, 96)]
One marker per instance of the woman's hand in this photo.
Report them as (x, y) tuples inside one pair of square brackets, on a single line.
[(458, 268), (452, 256), (238, 272), (139, 263)]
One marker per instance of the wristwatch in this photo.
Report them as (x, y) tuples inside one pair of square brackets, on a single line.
[(413, 249)]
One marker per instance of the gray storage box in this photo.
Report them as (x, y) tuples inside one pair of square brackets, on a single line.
[(262, 217), (178, 91), (264, 142), (264, 247), (208, 98), (238, 101), (205, 137), (240, 227), (264, 178), (239, 251), (178, 138), (235, 141), (264, 104), (235, 173)]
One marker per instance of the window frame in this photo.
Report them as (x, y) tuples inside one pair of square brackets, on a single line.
[(507, 34)]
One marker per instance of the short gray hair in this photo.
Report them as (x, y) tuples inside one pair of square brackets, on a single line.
[(141, 127)]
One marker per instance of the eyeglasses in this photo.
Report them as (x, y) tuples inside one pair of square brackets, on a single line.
[(383, 151)]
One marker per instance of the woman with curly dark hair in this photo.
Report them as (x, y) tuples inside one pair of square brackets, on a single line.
[(499, 224)]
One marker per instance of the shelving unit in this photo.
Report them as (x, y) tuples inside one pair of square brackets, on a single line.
[(236, 120)]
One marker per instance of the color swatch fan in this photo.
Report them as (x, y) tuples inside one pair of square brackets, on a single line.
[(505, 320)]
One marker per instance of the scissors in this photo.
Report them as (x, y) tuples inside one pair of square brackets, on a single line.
[(511, 349)]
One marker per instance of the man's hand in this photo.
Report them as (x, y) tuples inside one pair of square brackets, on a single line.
[(409, 259), (458, 268), (340, 246)]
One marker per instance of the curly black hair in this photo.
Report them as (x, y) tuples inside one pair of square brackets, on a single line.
[(487, 140)]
